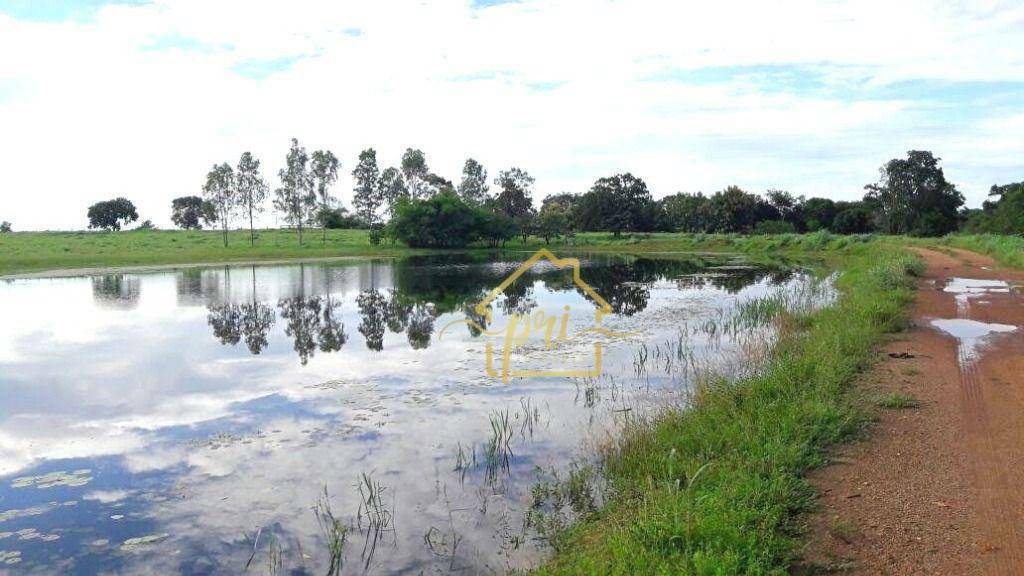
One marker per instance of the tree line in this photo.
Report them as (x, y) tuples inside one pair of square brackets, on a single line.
[(412, 204), (911, 196)]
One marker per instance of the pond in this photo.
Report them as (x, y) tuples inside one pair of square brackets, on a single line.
[(339, 417)]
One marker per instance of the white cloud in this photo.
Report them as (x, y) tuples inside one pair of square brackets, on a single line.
[(140, 100)]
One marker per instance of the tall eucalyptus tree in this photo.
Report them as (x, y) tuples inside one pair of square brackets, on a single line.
[(295, 197), (324, 171), (473, 189), (251, 189), (392, 189), (367, 199), (220, 191), (415, 171)]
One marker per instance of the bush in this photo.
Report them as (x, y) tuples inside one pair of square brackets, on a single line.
[(774, 227), (444, 221), (853, 220), (340, 218), (494, 227)]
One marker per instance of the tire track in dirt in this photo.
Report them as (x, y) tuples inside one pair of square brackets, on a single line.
[(937, 489)]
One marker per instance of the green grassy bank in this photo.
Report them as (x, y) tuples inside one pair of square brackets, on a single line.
[(38, 251), (1008, 250), (718, 488)]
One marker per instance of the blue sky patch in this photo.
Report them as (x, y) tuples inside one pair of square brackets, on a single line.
[(58, 10), (262, 68)]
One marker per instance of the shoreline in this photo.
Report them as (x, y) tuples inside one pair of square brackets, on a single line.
[(148, 268)]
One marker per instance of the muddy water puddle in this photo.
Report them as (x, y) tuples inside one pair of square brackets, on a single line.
[(974, 336)]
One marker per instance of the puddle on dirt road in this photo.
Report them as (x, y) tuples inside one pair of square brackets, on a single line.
[(972, 289), (971, 335), (190, 421)]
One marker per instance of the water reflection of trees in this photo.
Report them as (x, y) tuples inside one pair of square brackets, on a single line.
[(424, 289), (314, 323), (372, 307), (397, 313), (233, 322), (120, 291)]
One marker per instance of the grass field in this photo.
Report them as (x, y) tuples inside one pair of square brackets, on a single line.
[(718, 488), (23, 252), (35, 251)]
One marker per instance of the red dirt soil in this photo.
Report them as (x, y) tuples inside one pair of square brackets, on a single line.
[(936, 489)]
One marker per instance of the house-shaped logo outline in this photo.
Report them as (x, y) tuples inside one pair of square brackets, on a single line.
[(603, 308)]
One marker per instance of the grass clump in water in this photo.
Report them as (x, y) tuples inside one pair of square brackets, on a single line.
[(334, 531), (718, 488)]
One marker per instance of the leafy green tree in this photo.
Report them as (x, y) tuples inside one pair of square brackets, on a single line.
[(192, 212), (616, 203), (853, 218), (688, 212), (220, 191), (414, 169), (251, 190), (1003, 213), (112, 214), (594, 209), (392, 189), (324, 173), (494, 227), (368, 198), (515, 199), (784, 206), (818, 214), (436, 184), (295, 197), (735, 210), (769, 227), (473, 189), (552, 222), (565, 202), (557, 216), (915, 197), (5, 227), (444, 221), (652, 217)]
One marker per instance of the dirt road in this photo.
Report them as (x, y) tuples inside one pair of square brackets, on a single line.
[(938, 489)]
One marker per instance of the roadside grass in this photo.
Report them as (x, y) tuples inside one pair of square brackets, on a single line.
[(897, 401), (1008, 250), (751, 440)]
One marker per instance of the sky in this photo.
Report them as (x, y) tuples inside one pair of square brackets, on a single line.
[(139, 99)]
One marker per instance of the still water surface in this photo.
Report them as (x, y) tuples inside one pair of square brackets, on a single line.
[(190, 421)]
